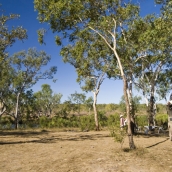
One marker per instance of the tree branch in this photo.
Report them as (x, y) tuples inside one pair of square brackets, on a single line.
[(101, 37)]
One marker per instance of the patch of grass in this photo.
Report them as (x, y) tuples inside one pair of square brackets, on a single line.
[(140, 151)]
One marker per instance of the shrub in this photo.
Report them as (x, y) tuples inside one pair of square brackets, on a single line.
[(118, 134), (6, 122), (161, 119), (102, 119), (113, 120), (74, 121), (43, 122), (87, 123), (141, 120)]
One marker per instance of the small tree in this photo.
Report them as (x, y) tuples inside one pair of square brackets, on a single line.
[(46, 100), (77, 99), (27, 71)]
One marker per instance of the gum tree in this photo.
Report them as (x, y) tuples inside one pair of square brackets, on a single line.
[(46, 100), (8, 36), (107, 19), (27, 71), (91, 59), (155, 77)]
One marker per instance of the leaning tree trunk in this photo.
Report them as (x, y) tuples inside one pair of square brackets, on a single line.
[(95, 113), (125, 88)]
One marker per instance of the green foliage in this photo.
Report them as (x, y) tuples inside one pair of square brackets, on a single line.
[(66, 109), (57, 40), (58, 122), (6, 120), (89, 103), (101, 107), (41, 33), (141, 120), (161, 108), (113, 120), (77, 99), (135, 104), (8, 37), (118, 134), (86, 123), (161, 119), (110, 107), (102, 118), (46, 101), (26, 67), (122, 104), (43, 122)]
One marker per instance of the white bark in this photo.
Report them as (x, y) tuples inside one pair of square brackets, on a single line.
[(95, 111), (16, 111), (2, 108)]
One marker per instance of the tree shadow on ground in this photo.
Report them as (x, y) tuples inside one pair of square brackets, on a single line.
[(157, 143), (42, 137), (22, 133)]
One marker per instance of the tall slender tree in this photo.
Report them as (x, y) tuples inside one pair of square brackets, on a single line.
[(90, 57), (106, 19)]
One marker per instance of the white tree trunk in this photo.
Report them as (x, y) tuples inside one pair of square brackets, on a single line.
[(125, 88), (95, 112), (16, 111)]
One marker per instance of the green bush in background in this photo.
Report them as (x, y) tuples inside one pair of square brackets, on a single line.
[(102, 119), (6, 122), (141, 120), (118, 134), (86, 123), (113, 120), (162, 120), (43, 122)]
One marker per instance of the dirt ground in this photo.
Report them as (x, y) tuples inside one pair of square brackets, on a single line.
[(73, 151)]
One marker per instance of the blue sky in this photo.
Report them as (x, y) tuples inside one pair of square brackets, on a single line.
[(110, 92)]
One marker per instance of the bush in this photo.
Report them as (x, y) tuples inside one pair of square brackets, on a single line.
[(113, 120), (141, 120), (161, 119), (118, 134), (6, 122), (43, 122), (87, 123), (74, 121), (102, 119)]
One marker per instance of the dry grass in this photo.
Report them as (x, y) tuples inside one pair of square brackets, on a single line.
[(42, 150)]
